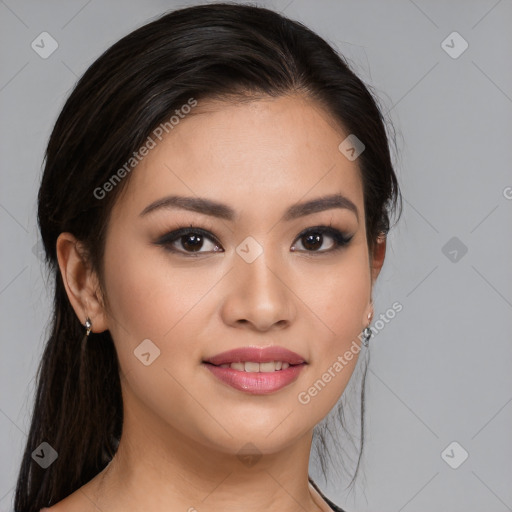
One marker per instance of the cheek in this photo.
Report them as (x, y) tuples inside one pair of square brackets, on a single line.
[(337, 295), (152, 299), (349, 293), (144, 293), (128, 279)]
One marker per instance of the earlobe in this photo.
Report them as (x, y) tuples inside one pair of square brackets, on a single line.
[(377, 261), (81, 282), (367, 320)]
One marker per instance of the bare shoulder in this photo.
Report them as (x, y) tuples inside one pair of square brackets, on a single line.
[(78, 501), (68, 504)]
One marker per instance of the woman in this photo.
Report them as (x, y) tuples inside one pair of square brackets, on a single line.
[(214, 209)]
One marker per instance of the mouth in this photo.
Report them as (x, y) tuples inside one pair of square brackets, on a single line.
[(256, 370)]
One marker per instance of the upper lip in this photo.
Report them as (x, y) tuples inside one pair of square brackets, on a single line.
[(257, 355)]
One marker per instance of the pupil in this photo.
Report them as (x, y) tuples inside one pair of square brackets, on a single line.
[(193, 242), (311, 240)]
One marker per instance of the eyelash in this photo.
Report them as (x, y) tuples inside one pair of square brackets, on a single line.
[(340, 239)]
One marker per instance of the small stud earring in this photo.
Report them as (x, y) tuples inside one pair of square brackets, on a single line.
[(88, 326), (367, 334)]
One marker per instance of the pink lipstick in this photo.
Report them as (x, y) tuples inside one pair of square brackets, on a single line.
[(256, 370)]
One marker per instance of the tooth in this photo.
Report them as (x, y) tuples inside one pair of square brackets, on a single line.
[(252, 367), (267, 367)]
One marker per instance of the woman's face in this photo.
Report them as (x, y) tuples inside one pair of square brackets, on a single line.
[(245, 279)]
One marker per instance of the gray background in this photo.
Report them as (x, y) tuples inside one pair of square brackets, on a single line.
[(440, 370)]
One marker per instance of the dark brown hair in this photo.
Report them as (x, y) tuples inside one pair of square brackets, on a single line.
[(220, 51)]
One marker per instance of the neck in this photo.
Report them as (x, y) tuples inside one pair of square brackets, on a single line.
[(159, 469)]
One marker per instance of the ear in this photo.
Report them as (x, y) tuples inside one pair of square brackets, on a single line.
[(376, 263), (379, 253), (81, 282)]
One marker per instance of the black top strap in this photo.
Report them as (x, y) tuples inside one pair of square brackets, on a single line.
[(327, 500)]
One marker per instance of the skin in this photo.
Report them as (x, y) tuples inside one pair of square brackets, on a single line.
[(183, 427)]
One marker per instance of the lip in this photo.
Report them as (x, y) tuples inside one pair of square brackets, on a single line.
[(256, 383), (257, 355)]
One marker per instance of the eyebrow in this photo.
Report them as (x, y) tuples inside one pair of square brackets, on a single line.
[(223, 211)]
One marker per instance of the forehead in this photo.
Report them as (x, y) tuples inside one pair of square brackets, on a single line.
[(252, 155)]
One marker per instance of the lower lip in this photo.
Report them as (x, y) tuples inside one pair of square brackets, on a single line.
[(256, 383)]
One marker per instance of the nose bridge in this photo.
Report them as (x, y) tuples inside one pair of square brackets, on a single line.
[(258, 292), (260, 276)]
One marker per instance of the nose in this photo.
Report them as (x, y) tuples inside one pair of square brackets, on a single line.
[(258, 297)]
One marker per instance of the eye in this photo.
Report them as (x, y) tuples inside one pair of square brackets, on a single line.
[(191, 240), (313, 239)]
